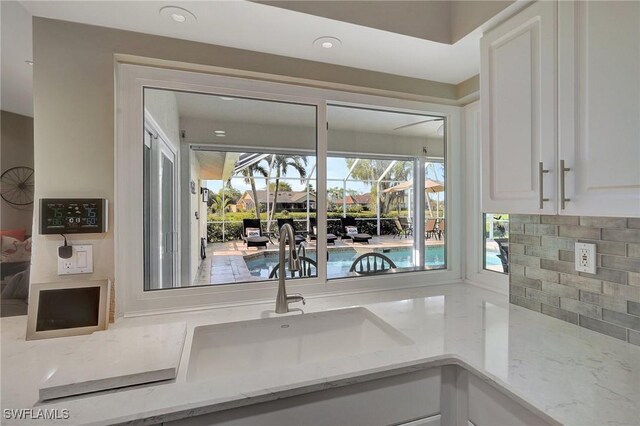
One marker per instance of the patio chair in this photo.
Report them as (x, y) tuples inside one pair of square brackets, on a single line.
[(281, 222), (503, 245), (406, 224), (306, 269), (400, 230), (441, 228), (313, 226), (430, 229), (372, 263), (356, 237), (249, 229)]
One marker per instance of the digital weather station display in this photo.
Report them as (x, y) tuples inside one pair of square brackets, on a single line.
[(62, 216)]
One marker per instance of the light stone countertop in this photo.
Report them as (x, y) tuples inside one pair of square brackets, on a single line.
[(576, 376)]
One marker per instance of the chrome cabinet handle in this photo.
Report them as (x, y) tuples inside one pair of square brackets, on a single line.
[(563, 170), (541, 172)]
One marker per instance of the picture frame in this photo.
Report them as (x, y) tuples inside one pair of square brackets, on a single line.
[(48, 316)]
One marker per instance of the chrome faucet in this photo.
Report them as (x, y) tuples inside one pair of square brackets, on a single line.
[(282, 300)]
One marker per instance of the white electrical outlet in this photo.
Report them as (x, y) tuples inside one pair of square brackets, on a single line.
[(585, 258), (80, 262)]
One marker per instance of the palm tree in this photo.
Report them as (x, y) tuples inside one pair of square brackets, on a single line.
[(248, 173), (219, 205), (282, 163)]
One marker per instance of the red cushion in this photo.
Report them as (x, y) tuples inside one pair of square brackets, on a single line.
[(19, 234)]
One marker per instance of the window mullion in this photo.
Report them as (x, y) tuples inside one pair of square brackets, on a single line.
[(321, 183), (418, 202)]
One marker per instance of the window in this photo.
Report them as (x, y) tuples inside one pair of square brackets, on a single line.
[(496, 242), (221, 175), (372, 218), (207, 120), (244, 213)]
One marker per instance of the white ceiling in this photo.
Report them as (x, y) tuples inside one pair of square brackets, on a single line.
[(263, 28), (251, 111)]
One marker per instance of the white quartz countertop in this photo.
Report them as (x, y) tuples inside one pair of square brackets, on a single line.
[(574, 375)]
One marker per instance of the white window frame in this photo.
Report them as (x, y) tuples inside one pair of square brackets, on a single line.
[(131, 299), (475, 272)]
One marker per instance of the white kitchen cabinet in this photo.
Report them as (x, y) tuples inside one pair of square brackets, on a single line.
[(599, 107), (410, 399), (489, 407), (448, 395), (586, 133), (518, 98)]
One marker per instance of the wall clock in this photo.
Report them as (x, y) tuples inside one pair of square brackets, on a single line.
[(16, 186)]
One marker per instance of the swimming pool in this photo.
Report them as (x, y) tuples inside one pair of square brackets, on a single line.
[(340, 260)]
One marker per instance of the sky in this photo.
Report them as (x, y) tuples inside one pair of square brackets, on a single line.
[(336, 169)]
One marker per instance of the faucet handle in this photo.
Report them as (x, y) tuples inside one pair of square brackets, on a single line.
[(297, 297)]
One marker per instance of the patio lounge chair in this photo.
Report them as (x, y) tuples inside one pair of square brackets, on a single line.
[(406, 224), (356, 237), (306, 266), (400, 230), (313, 225), (430, 229), (281, 222), (251, 226), (441, 228), (503, 245), (372, 263)]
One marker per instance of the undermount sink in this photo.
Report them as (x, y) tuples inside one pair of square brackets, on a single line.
[(274, 343)]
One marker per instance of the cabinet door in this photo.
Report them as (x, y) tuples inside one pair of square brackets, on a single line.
[(518, 98), (599, 107)]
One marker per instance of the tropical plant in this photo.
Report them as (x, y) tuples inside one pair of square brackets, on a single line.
[(371, 170), (282, 186), (282, 164), (230, 193), (219, 204), (249, 174)]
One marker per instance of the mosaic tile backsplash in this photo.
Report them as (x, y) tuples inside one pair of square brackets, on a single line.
[(542, 275)]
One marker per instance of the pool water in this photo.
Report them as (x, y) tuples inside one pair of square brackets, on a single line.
[(340, 261)]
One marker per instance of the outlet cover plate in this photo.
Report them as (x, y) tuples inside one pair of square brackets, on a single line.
[(585, 259), (80, 262)]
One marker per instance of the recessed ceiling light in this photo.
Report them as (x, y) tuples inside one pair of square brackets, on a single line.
[(219, 132), (178, 14), (29, 62), (178, 17), (226, 98), (327, 42), (220, 135)]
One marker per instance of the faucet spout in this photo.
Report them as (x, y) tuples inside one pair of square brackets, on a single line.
[(287, 235)]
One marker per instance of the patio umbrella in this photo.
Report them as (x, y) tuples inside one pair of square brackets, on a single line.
[(429, 186)]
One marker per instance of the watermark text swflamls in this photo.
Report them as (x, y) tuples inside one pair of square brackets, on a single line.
[(35, 414)]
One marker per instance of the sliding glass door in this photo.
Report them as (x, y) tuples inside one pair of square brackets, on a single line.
[(160, 206)]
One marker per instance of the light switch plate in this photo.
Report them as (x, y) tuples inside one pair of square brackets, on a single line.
[(585, 258), (80, 262)]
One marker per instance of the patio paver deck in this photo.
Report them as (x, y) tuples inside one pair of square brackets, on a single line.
[(225, 261)]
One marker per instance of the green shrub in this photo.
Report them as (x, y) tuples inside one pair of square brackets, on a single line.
[(233, 231), (233, 225)]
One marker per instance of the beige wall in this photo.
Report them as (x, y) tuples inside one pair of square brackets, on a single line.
[(422, 19), (466, 16), (74, 110), (16, 150), (439, 21)]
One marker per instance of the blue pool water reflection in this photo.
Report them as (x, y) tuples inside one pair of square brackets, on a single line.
[(340, 260)]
